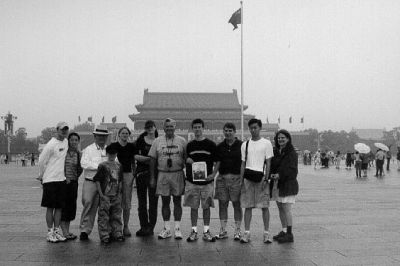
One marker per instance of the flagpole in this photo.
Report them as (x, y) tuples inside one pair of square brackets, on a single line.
[(241, 68)]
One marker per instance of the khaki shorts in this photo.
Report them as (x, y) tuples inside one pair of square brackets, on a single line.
[(227, 188), (254, 195), (194, 194), (170, 183)]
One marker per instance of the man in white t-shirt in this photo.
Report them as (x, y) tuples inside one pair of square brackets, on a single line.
[(256, 160), (52, 176)]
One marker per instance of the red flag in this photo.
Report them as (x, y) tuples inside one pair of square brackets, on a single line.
[(236, 18)]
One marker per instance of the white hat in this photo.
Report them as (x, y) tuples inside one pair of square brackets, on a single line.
[(101, 130), (61, 125)]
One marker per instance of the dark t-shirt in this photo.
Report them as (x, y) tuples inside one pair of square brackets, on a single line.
[(229, 157), (109, 174), (142, 148), (125, 155), (200, 151)]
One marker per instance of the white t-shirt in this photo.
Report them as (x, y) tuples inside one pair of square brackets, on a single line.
[(52, 160), (257, 152)]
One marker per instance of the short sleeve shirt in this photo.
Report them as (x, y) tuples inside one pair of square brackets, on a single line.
[(258, 151), (109, 174), (125, 155), (229, 157), (200, 151), (164, 149)]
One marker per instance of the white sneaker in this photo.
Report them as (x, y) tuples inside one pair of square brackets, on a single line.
[(267, 238), (178, 234), (59, 235), (51, 237), (164, 234)]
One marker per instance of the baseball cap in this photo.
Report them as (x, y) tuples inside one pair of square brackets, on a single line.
[(62, 125)]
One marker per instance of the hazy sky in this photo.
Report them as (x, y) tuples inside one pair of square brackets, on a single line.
[(335, 62)]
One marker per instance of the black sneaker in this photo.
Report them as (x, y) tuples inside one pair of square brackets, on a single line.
[(276, 237), (141, 232), (83, 236), (287, 238)]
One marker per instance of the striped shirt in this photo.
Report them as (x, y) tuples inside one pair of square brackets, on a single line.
[(71, 165)]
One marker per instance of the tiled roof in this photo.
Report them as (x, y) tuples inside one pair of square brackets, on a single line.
[(189, 115), (189, 100)]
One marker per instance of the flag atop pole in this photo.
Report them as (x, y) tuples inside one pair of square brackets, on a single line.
[(114, 119), (236, 18), (290, 119), (302, 120)]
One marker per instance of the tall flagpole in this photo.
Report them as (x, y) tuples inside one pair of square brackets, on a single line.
[(241, 68)]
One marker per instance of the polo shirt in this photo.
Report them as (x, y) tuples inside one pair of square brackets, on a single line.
[(229, 157)]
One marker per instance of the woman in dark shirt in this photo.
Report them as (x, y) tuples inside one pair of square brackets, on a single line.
[(284, 178), (125, 155), (72, 171), (147, 217)]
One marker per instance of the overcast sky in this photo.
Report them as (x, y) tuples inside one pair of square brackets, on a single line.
[(335, 62)]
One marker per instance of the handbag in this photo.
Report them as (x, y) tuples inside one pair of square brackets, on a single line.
[(249, 174)]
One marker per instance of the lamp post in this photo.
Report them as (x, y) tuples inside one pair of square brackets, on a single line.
[(8, 128)]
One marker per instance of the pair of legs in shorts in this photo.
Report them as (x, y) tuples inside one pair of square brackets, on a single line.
[(227, 188), (170, 184), (255, 195), (194, 195), (53, 199)]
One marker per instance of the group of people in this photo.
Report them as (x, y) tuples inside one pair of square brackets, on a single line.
[(361, 161), (249, 174), (21, 157)]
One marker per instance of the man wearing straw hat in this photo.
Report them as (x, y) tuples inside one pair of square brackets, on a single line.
[(92, 156)]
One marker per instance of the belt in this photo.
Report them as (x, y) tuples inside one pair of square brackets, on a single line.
[(87, 179), (180, 170)]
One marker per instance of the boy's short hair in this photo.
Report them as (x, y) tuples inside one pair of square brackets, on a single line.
[(111, 149), (230, 126), (198, 121), (255, 121)]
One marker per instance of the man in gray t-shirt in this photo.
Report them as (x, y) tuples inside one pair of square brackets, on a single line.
[(168, 154)]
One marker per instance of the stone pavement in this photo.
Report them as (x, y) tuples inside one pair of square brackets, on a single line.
[(338, 220)]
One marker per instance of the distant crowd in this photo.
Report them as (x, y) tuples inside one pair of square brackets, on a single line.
[(22, 159), (360, 161)]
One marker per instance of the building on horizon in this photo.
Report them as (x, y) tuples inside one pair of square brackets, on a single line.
[(214, 108)]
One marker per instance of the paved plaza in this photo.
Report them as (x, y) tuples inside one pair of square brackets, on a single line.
[(338, 220)]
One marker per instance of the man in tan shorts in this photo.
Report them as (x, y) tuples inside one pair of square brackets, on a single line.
[(200, 185), (168, 154), (256, 160)]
